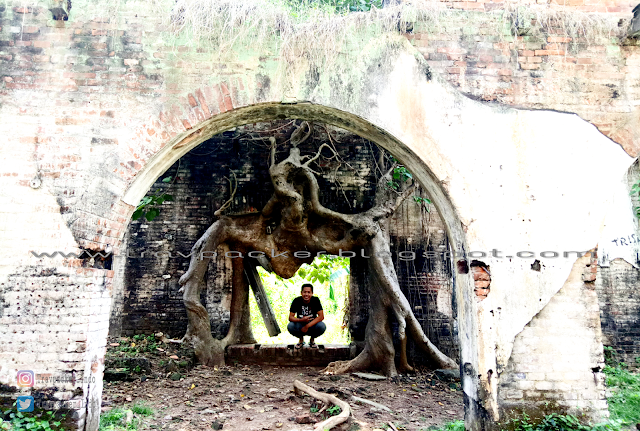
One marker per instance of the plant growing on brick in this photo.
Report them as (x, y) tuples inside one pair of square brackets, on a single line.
[(292, 228)]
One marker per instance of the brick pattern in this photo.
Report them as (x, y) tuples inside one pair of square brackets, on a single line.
[(283, 355), (557, 360), (617, 287), (593, 77)]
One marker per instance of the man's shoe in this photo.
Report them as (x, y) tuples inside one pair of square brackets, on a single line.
[(299, 345), (313, 345)]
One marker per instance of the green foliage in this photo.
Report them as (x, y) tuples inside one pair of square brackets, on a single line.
[(624, 402), (33, 421), (635, 191), (345, 6), (334, 410), (116, 418), (558, 422), (314, 409), (332, 292), (149, 205), (137, 344), (141, 408), (323, 268), (401, 175), (450, 426)]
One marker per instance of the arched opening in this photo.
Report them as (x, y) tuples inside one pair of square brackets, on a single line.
[(462, 295)]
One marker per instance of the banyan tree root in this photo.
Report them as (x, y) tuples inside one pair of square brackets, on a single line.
[(326, 399), (293, 228)]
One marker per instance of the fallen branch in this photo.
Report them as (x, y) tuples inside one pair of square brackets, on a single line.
[(371, 403), (327, 399)]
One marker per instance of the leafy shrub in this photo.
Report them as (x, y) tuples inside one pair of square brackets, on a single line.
[(624, 402), (35, 421)]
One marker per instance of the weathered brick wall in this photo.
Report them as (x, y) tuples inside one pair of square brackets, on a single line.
[(617, 287), (593, 76), (557, 360), (87, 103)]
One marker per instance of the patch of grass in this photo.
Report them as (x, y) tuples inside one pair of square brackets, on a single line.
[(143, 409), (558, 422), (116, 418), (449, 426), (624, 402)]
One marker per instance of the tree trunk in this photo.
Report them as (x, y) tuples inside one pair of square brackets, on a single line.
[(294, 220)]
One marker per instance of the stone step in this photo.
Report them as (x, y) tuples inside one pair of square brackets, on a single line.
[(286, 355)]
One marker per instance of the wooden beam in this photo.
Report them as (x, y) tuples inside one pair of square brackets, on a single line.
[(262, 299)]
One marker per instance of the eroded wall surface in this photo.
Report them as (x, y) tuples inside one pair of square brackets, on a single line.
[(94, 109)]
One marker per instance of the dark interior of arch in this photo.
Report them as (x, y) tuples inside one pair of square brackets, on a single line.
[(147, 301)]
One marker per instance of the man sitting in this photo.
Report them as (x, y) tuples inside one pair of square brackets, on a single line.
[(306, 316)]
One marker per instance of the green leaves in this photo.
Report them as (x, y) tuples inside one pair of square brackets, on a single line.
[(344, 6), (36, 421), (147, 206)]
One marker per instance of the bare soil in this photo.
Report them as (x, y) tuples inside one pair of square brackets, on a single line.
[(261, 397)]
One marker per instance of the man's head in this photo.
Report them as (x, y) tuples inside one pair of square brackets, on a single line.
[(307, 291)]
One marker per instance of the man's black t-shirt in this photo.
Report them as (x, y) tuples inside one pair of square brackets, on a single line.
[(301, 309)]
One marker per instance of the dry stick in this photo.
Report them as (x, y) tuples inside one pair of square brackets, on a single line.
[(325, 398), (371, 403)]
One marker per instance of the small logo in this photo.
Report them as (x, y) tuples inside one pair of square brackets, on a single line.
[(25, 404), (26, 378)]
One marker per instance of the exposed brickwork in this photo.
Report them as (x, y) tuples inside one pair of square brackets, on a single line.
[(86, 103), (593, 77), (283, 355), (481, 280), (544, 369), (617, 288)]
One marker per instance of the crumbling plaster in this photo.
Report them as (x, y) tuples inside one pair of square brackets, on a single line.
[(504, 179)]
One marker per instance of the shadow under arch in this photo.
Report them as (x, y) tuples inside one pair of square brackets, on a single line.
[(464, 304)]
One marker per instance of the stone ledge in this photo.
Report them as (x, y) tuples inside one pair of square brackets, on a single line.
[(286, 355)]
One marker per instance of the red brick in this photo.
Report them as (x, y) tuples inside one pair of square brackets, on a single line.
[(552, 39), (192, 101), (203, 103)]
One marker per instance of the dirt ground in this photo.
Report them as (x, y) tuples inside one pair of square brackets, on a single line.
[(261, 397)]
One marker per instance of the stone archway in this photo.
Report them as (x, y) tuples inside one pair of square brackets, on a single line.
[(464, 302)]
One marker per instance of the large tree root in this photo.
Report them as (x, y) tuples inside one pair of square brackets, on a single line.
[(389, 301), (327, 399), (295, 221)]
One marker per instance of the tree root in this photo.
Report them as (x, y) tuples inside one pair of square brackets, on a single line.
[(327, 399), (371, 403)]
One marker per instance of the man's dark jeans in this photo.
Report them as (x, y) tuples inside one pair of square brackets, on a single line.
[(295, 329)]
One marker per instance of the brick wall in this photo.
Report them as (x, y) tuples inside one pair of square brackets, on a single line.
[(557, 360), (86, 103), (617, 287), (544, 67)]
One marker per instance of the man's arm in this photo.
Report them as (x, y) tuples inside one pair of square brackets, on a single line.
[(320, 318), (293, 318)]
